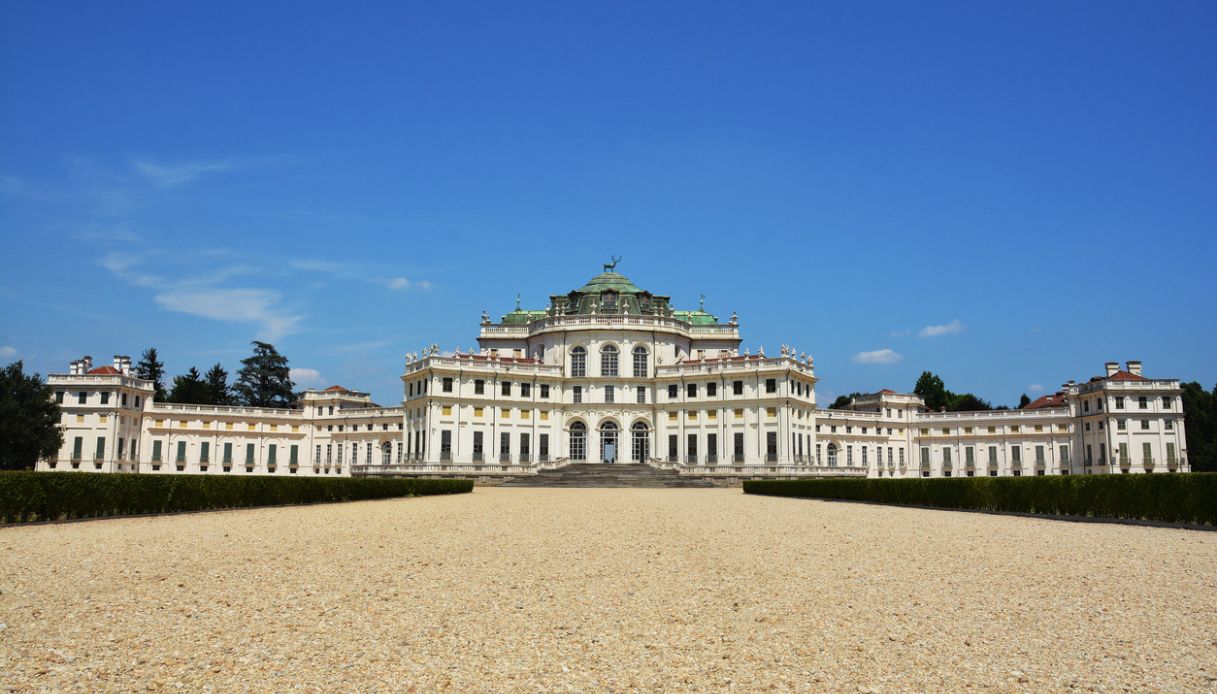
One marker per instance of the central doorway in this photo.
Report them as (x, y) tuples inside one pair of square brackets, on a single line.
[(608, 442)]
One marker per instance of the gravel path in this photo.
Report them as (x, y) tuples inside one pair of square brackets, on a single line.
[(606, 589)]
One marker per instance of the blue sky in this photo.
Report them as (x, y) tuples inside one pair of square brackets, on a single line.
[(1038, 180)]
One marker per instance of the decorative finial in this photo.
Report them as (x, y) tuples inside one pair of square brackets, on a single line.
[(485, 318), (701, 303), (734, 318), (610, 267), (517, 301)]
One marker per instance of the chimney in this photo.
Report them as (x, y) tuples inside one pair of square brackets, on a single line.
[(74, 367), (118, 363), (1112, 367), (1134, 367), (86, 364)]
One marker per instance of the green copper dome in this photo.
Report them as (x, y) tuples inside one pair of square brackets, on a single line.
[(606, 281)]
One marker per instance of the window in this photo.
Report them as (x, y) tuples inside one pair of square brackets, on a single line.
[(771, 385), (608, 360), (227, 460), (738, 446), (59, 397), (504, 446), (925, 456), (525, 390), (1122, 424), (672, 391), (156, 450), (969, 455), (946, 455), (1064, 454), (712, 447), (1169, 424), (640, 443), (578, 441), (691, 448), (447, 384), (479, 387), (100, 451), (478, 451), (122, 441), (272, 452), (577, 394), (610, 394), (505, 388), (1085, 405), (992, 455), (672, 444), (691, 390), (543, 451), (249, 454), (445, 445), (1089, 454), (524, 446), (578, 362), (1147, 453), (137, 401), (1144, 425), (1119, 402), (771, 446), (105, 399), (641, 394), (82, 398), (1016, 455), (737, 387), (1170, 452), (711, 389), (1142, 401), (640, 362), (204, 451), (1166, 402), (1039, 454), (294, 457), (544, 390)]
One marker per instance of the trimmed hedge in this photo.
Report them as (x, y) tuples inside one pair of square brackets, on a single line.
[(1170, 498), (40, 496)]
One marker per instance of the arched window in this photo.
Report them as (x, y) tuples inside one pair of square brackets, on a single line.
[(608, 360), (609, 452), (386, 453), (832, 455), (578, 362), (640, 362), (578, 441), (640, 442)]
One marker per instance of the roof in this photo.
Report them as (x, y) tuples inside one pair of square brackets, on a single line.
[(887, 391), (1126, 376), (1056, 399), (335, 389), (609, 280), (105, 371)]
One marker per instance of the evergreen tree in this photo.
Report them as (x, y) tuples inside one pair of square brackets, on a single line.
[(150, 369), (931, 389), (966, 402), (1023, 401), (29, 419), (190, 388), (264, 379), (1200, 423), (216, 382), (842, 401)]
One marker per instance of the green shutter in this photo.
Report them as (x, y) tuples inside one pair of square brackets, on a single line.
[(294, 454), (270, 459), (101, 448), (77, 444), (228, 453), (205, 452), (249, 454), (181, 451), (156, 451)]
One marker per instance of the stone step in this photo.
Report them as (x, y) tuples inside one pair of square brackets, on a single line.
[(608, 475)]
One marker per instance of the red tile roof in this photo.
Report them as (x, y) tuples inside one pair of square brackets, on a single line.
[(1057, 399), (1126, 376), (888, 391), (106, 371), (335, 389)]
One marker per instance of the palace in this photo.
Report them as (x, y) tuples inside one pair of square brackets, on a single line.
[(613, 373)]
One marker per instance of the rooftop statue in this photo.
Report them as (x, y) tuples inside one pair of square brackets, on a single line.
[(610, 267)]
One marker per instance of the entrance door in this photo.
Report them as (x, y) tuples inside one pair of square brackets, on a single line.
[(608, 442)]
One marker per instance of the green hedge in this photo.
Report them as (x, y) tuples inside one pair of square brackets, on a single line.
[(34, 496), (1171, 498)]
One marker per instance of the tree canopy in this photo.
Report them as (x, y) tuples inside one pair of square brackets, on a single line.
[(1200, 424), (216, 381), (150, 368), (190, 388), (264, 379), (931, 389), (29, 419), (1023, 401)]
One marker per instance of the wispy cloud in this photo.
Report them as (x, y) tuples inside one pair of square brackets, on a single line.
[(938, 330), (168, 175), (401, 283), (1035, 388), (361, 272), (303, 376), (259, 306), (7, 351), (900, 333), (878, 356)]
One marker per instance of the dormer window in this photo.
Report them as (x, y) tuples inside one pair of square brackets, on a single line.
[(608, 302)]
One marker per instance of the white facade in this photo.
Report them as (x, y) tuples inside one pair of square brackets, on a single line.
[(611, 373)]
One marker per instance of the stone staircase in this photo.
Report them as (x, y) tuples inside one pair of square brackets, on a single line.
[(607, 475)]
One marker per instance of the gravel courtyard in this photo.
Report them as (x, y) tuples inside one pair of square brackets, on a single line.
[(606, 589)]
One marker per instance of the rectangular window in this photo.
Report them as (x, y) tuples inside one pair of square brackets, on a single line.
[(711, 389), (1085, 405), (992, 454), (1089, 454), (544, 390), (105, 399), (738, 412), (524, 446), (525, 390), (272, 454), (577, 394), (672, 392), (445, 445), (156, 450), (946, 455), (249, 454), (737, 442), (969, 455), (543, 451), (295, 455), (59, 397), (479, 387), (1064, 454), (691, 390), (771, 385), (477, 445), (445, 410), (122, 441), (505, 445), (478, 411), (1170, 452), (447, 384), (228, 453), (505, 388), (1123, 454), (925, 456), (1142, 402), (1169, 424), (691, 448), (1147, 452), (1119, 402), (640, 394), (204, 452), (672, 447), (610, 394), (712, 446), (640, 362), (1122, 424), (100, 451), (1166, 402), (737, 387), (1144, 425), (771, 446), (82, 398), (1102, 453), (1016, 454), (1039, 454)]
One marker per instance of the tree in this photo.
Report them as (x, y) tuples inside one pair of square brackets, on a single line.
[(190, 388), (150, 369), (216, 382), (841, 402), (264, 379), (1023, 401), (966, 402), (1200, 423), (29, 419), (932, 390)]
